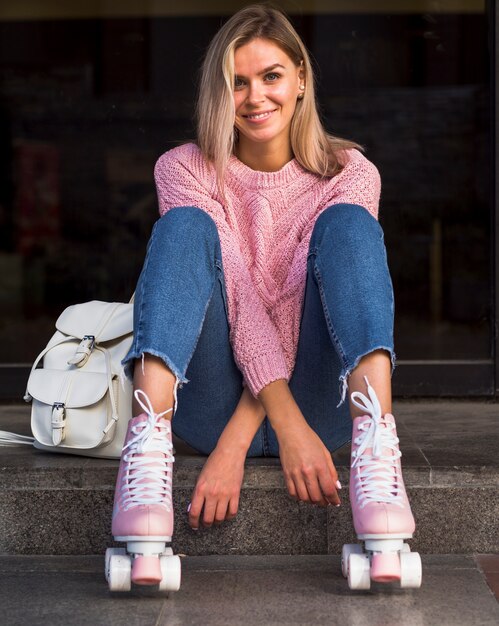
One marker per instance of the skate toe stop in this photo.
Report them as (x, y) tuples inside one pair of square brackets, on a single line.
[(146, 570)]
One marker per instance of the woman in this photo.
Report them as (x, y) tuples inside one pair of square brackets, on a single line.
[(265, 282)]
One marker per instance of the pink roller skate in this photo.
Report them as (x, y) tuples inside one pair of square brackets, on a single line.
[(381, 511), (143, 508)]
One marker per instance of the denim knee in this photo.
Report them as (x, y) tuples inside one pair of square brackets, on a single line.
[(348, 258), (345, 224), (188, 221), (182, 263)]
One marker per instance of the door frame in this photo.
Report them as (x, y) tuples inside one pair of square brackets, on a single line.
[(493, 13)]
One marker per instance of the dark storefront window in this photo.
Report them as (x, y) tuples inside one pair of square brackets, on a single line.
[(89, 101)]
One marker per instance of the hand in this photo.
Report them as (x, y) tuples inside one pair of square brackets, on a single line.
[(218, 487), (307, 465)]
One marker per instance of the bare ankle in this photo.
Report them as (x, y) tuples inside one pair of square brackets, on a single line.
[(155, 379)]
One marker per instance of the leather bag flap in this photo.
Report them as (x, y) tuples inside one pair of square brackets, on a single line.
[(103, 320), (74, 388)]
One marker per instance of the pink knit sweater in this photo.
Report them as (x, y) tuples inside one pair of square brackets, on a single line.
[(265, 227)]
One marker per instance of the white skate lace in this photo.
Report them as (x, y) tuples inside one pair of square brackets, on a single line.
[(148, 479), (378, 478)]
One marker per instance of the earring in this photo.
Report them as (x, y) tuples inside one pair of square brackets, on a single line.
[(302, 87)]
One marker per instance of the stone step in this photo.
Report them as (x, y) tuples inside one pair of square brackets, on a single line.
[(58, 504)]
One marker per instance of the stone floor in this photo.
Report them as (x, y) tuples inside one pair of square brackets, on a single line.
[(240, 590), (450, 451), (489, 565)]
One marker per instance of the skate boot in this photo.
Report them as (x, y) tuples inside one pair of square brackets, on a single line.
[(381, 511), (143, 508)]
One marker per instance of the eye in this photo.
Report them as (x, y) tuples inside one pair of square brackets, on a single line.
[(272, 77), (238, 82)]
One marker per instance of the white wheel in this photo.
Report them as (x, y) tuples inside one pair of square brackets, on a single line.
[(109, 554), (170, 572), (411, 571), (405, 548), (119, 572), (348, 549), (359, 576)]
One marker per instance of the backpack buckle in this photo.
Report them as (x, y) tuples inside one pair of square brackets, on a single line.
[(83, 351), (58, 422)]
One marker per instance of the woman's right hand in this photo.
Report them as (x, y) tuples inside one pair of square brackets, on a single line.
[(216, 495)]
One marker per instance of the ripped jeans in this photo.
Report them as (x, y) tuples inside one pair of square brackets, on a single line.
[(180, 315)]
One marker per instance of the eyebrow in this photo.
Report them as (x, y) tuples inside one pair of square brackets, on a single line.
[(265, 71)]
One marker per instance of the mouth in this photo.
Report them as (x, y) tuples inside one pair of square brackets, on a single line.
[(259, 116)]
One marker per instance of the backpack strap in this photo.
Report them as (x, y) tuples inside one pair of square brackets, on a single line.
[(13, 439), (27, 397)]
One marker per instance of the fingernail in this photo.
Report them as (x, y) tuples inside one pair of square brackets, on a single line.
[(189, 507), (195, 529), (337, 505), (338, 484)]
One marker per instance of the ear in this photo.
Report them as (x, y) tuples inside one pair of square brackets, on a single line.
[(301, 72)]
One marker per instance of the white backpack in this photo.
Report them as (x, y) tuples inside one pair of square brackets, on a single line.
[(81, 400)]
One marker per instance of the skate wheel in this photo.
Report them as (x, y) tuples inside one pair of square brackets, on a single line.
[(118, 570), (411, 570), (406, 548), (348, 549), (358, 571), (109, 554), (171, 573)]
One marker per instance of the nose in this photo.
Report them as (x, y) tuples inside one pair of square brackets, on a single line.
[(256, 94)]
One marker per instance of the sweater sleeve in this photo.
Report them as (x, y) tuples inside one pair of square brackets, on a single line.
[(254, 339), (358, 183)]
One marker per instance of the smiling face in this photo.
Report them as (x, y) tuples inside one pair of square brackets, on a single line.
[(266, 88)]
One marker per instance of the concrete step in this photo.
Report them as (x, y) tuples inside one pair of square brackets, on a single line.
[(61, 505), (243, 590)]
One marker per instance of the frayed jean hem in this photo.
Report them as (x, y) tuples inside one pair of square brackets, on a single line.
[(128, 363), (346, 373)]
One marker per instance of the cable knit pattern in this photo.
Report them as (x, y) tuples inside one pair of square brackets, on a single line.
[(265, 225)]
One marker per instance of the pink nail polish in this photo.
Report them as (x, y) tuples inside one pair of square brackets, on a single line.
[(189, 507), (338, 484)]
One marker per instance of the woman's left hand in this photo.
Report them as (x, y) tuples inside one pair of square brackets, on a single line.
[(216, 495), (308, 468)]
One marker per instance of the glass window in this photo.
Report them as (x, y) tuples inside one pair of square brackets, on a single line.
[(89, 98)]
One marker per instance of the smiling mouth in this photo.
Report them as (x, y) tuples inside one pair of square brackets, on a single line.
[(259, 116)]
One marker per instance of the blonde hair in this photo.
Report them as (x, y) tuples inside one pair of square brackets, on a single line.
[(315, 149)]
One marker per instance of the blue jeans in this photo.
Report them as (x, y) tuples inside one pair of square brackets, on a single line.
[(180, 315)]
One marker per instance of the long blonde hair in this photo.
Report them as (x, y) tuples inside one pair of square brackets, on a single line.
[(315, 149)]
